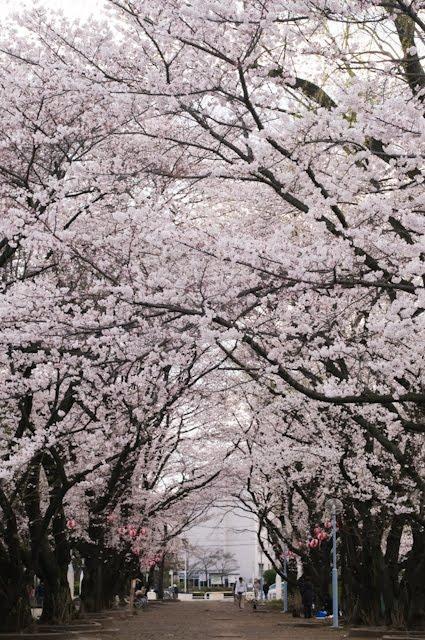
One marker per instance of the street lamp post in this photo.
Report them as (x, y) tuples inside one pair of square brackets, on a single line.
[(334, 506), (260, 570), (185, 570)]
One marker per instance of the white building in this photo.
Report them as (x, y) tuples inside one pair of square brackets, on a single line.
[(233, 531)]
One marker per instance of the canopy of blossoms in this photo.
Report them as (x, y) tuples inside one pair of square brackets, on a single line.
[(212, 285)]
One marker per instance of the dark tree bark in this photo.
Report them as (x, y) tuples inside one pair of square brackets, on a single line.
[(91, 589), (160, 583), (106, 574), (15, 609), (50, 564), (415, 580)]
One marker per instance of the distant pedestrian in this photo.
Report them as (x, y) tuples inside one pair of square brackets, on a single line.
[(257, 593), (39, 594), (257, 589), (266, 588), (240, 592), (307, 596), (141, 598), (175, 592)]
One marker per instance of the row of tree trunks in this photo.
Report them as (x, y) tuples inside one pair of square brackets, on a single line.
[(107, 574), (46, 553), (377, 589), (378, 586), (104, 578)]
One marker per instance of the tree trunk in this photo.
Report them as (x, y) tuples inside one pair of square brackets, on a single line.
[(115, 579), (415, 573), (364, 572), (119, 574), (15, 609), (15, 612), (160, 585), (393, 605), (151, 578), (91, 591), (371, 607), (50, 564), (58, 607), (58, 604), (349, 574)]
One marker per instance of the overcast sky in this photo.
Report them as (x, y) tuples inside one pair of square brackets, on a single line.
[(74, 8)]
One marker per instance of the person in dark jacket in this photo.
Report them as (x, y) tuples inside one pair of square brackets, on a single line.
[(39, 594), (307, 596), (266, 588)]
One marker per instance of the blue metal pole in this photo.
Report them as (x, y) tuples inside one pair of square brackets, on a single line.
[(285, 583), (335, 612), (261, 569)]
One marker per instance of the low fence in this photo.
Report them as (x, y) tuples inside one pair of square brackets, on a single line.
[(209, 595)]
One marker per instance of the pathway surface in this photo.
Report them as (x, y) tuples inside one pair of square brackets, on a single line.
[(215, 620)]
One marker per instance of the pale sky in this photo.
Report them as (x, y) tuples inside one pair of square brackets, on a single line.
[(74, 8)]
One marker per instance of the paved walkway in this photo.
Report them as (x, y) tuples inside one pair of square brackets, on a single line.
[(214, 620)]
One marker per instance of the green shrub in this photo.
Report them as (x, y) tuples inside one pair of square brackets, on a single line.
[(269, 576)]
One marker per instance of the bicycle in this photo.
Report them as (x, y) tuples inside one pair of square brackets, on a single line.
[(141, 602)]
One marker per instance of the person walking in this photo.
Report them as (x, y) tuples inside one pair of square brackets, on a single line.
[(240, 591), (266, 588), (257, 593)]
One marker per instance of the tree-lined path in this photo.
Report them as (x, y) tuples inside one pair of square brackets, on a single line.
[(215, 620), (212, 291)]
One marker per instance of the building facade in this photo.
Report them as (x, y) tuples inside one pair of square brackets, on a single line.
[(230, 531)]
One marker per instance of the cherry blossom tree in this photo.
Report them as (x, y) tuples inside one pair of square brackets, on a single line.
[(231, 193), (317, 294), (88, 390)]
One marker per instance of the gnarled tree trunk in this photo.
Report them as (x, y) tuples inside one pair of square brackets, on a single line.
[(415, 580), (15, 609)]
